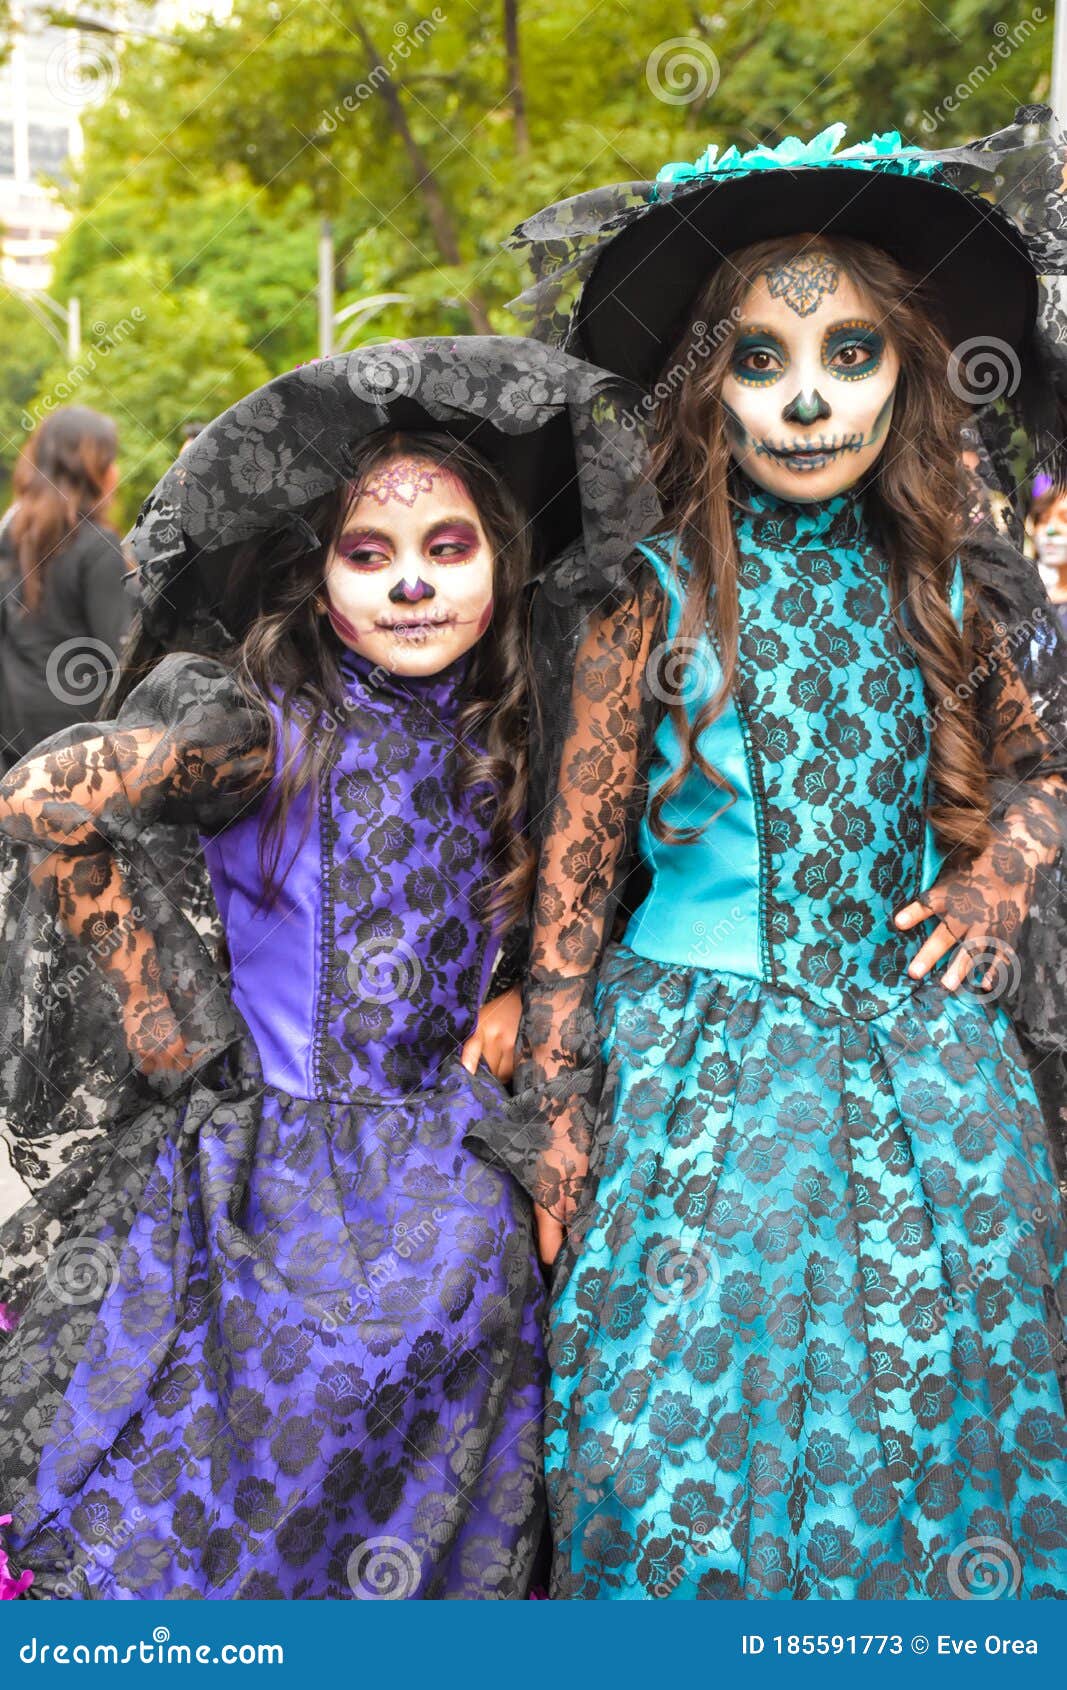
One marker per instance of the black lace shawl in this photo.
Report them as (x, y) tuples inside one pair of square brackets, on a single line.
[(114, 985)]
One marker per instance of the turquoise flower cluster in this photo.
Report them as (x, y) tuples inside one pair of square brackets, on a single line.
[(881, 152)]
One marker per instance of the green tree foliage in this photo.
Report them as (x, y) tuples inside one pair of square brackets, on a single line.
[(424, 134), (28, 349), (153, 357)]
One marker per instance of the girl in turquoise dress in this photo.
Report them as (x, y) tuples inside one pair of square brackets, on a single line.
[(807, 1331)]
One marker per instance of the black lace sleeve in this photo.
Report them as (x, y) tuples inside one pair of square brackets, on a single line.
[(592, 803), (1015, 890), (111, 991)]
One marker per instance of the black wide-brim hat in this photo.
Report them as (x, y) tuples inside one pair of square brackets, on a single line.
[(973, 265), (616, 271), (564, 436)]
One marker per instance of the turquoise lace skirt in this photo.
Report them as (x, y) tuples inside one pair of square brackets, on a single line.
[(808, 1338)]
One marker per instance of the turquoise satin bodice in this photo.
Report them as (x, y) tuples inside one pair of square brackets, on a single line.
[(825, 742)]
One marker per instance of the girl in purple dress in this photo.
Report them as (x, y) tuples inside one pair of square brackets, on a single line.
[(273, 1329)]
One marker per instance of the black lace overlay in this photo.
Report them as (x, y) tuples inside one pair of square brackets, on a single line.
[(587, 826), (1022, 704)]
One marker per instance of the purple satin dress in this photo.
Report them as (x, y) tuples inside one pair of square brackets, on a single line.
[(318, 1373)]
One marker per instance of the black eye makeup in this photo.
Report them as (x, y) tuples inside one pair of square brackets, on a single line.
[(758, 357), (853, 350)]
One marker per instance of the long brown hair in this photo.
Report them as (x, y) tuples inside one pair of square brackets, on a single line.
[(58, 481), (913, 499), (291, 651)]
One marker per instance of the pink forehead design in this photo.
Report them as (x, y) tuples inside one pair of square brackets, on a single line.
[(404, 479)]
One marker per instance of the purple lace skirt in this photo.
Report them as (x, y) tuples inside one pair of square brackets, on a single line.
[(283, 1349)]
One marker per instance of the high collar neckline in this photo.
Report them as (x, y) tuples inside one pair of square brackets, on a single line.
[(816, 522), (440, 691)]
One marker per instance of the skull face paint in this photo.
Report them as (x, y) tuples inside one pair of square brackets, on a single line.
[(812, 379), (409, 584)]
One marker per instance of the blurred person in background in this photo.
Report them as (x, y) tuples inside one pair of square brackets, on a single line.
[(63, 608), (1048, 522)]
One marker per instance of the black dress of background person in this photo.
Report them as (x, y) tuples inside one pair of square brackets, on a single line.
[(63, 608)]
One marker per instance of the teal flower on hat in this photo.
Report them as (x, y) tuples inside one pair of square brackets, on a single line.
[(879, 153)]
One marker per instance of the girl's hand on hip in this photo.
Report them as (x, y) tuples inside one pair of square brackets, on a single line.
[(493, 1039), (973, 942), (981, 907)]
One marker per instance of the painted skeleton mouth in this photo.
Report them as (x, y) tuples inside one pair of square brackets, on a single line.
[(811, 454), (415, 627)]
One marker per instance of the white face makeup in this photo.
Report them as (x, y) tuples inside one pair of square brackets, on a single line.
[(812, 378), (1051, 537), (410, 583)]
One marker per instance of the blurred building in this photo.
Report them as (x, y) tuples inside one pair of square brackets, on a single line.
[(50, 78), (44, 85)]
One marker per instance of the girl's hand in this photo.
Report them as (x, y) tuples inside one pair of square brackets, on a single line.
[(494, 1036), (982, 909), (549, 1235), (972, 940)]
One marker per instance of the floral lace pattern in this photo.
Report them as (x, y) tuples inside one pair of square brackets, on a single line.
[(809, 1341), (604, 750)]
